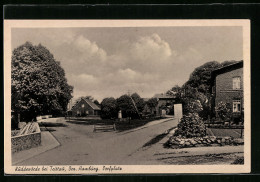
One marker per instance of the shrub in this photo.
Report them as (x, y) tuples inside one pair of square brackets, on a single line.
[(224, 111), (191, 125), (192, 106)]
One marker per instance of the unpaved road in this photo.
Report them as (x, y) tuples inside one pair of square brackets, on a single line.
[(81, 146)]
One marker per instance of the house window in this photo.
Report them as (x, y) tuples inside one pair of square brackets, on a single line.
[(82, 105), (236, 83), (236, 106)]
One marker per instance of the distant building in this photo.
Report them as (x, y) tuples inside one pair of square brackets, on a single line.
[(165, 104), (85, 107), (227, 86)]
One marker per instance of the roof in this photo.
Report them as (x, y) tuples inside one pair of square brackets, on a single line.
[(227, 68), (91, 104)]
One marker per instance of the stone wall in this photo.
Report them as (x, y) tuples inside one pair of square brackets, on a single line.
[(27, 141), (179, 142)]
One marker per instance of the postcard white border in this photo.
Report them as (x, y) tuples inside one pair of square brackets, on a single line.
[(129, 169)]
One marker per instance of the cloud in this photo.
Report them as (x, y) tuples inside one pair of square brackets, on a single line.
[(89, 50), (151, 48)]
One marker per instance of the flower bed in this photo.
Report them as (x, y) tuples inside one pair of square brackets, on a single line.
[(27, 141), (180, 142)]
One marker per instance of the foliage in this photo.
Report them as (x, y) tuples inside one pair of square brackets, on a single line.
[(125, 104), (84, 97), (191, 125), (108, 108), (152, 103), (197, 88), (175, 91), (224, 111), (39, 85), (139, 102), (96, 102), (192, 106), (200, 78)]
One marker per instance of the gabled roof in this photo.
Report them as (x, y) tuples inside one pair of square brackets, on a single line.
[(91, 104)]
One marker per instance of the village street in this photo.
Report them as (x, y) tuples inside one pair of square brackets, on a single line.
[(79, 145)]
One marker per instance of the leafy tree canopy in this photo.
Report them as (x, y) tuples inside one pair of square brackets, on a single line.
[(152, 103), (109, 108), (125, 104), (38, 85), (200, 78)]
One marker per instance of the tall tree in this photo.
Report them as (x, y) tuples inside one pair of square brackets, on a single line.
[(139, 102), (39, 85)]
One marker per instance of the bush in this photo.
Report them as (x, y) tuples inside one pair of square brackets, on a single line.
[(224, 111), (192, 106), (191, 125)]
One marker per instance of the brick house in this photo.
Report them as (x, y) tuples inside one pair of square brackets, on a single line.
[(85, 107), (227, 86)]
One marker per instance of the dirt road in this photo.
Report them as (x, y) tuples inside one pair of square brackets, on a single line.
[(81, 146)]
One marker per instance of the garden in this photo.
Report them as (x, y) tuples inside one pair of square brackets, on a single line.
[(193, 132)]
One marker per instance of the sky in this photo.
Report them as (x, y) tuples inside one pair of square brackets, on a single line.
[(110, 62)]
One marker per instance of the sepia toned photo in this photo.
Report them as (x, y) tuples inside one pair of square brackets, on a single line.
[(127, 96)]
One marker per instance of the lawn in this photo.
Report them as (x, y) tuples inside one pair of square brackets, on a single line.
[(236, 133), (120, 125)]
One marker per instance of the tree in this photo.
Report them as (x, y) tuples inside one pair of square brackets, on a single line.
[(198, 86), (109, 108), (96, 102), (139, 102), (125, 104), (38, 82), (200, 78), (152, 103), (84, 97)]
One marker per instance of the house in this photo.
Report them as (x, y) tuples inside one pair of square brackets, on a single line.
[(227, 87), (85, 107)]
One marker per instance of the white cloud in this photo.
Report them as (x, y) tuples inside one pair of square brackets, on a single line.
[(150, 48), (89, 50)]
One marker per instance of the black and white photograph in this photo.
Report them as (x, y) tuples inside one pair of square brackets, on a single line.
[(127, 96)]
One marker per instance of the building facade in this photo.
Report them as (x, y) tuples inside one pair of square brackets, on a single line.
[(227, 87), (85, 107)]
